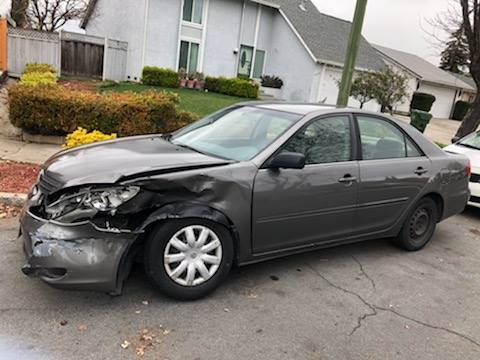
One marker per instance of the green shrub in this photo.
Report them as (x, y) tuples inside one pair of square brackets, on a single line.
[(39, 68), (272, 82), (422, 101), (156, 76), (38, 78), (55, 110), (461, 109), (233, 87)]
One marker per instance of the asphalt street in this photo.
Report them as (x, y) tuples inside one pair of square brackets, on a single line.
[(363, 301)]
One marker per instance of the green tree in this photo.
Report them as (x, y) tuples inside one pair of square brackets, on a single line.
[(389, 88), (455, 56), (363, 88)]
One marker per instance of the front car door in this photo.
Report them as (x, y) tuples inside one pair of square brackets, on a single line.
[(393, 170), (293, 208)]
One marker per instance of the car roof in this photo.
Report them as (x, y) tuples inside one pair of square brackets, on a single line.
[(295, 108)]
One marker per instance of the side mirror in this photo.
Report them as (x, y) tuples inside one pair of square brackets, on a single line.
[(287, 160)]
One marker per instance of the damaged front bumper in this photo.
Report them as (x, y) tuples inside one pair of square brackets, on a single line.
[(75, 256)]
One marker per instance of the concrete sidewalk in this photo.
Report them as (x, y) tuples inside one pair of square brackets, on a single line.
[(17, 150)]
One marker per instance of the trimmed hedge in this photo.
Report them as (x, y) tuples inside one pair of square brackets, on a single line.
[(39, 68), (233, 86), (422, 101), (461, 109), (156, 76), (55, 110)]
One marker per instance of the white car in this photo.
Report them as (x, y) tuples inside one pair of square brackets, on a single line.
[(470, 146)]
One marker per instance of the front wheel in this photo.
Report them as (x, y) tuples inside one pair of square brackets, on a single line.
[(187, 259), (419, 226)]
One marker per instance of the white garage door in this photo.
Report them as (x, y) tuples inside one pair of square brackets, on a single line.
[(442, 107)]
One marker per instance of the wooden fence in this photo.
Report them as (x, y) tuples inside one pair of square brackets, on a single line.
[(70, 53)]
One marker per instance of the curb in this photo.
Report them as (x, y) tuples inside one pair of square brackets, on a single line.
[(13, 199), (43, 139)]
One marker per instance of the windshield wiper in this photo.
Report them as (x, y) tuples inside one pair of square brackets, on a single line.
[(469, 146), (190, 148)]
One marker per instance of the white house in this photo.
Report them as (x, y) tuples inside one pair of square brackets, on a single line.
[(427, 78), (287, 38)]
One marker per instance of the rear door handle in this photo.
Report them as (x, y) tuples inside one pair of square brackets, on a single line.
[(347, 179), (421, 171)]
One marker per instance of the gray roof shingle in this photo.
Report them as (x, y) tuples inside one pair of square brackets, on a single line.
[(466, 78), (327, 36), (425, 70)]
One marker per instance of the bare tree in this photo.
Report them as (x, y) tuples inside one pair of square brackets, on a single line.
[(465, 14), (50, 15), (19, 12)]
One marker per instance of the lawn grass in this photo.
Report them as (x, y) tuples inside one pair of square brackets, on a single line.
[(195, 101)]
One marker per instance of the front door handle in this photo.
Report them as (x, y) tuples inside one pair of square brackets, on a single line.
[(421, 171), (347, 179)]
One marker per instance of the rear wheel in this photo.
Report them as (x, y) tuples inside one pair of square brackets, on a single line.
[(187, 259), (419, 226)]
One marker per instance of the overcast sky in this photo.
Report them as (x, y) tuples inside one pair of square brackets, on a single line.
[(393, 23)]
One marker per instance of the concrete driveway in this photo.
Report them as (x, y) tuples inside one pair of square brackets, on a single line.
[(363, 301)]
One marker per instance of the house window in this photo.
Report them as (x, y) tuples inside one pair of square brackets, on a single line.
[(193, 11), (246, 59), (188, 56), (259, 63)]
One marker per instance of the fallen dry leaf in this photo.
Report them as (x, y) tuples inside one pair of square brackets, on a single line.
[(145, 302), (251, 295), (140, 351), (138, 311), (125, 344), (226, 310), (63, 322), (82, 327)]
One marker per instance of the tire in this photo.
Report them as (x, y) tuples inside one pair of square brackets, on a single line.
[(419, 226), (165, 257)]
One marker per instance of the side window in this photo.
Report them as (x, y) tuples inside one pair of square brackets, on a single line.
[(326, 140), (382, 140)]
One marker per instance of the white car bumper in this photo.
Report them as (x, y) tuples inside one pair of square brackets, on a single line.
[(475, 197)]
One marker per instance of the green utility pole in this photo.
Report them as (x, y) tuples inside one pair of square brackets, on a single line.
[(351, 57)]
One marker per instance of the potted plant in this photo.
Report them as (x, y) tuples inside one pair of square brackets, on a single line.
[(191, 81), (272, 85), (182, 75), (200, 81)]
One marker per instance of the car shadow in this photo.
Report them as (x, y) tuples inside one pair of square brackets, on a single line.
[(258, 275)]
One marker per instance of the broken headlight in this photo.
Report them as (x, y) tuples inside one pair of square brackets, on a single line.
[(86, 203)]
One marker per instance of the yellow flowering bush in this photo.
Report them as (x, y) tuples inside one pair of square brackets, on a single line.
[(82, 137), (38, 78)]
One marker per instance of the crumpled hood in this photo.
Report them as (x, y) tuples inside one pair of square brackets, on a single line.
[(110, 161)]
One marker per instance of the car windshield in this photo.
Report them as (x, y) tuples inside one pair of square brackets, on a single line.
[(471, 141), (239, 133)]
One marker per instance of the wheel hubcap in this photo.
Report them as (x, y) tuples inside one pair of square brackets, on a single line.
[(420, 223), (193, 255)]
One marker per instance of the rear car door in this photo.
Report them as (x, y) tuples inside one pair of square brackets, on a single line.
[(393, 171), (315, 204)]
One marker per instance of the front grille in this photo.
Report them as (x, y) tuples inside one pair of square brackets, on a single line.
[(475, 178), (47, 184)]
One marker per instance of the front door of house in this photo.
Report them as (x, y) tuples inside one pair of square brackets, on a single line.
[(245, 61)]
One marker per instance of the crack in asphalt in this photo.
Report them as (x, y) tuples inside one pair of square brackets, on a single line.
[(365, 273), (375, 308)]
